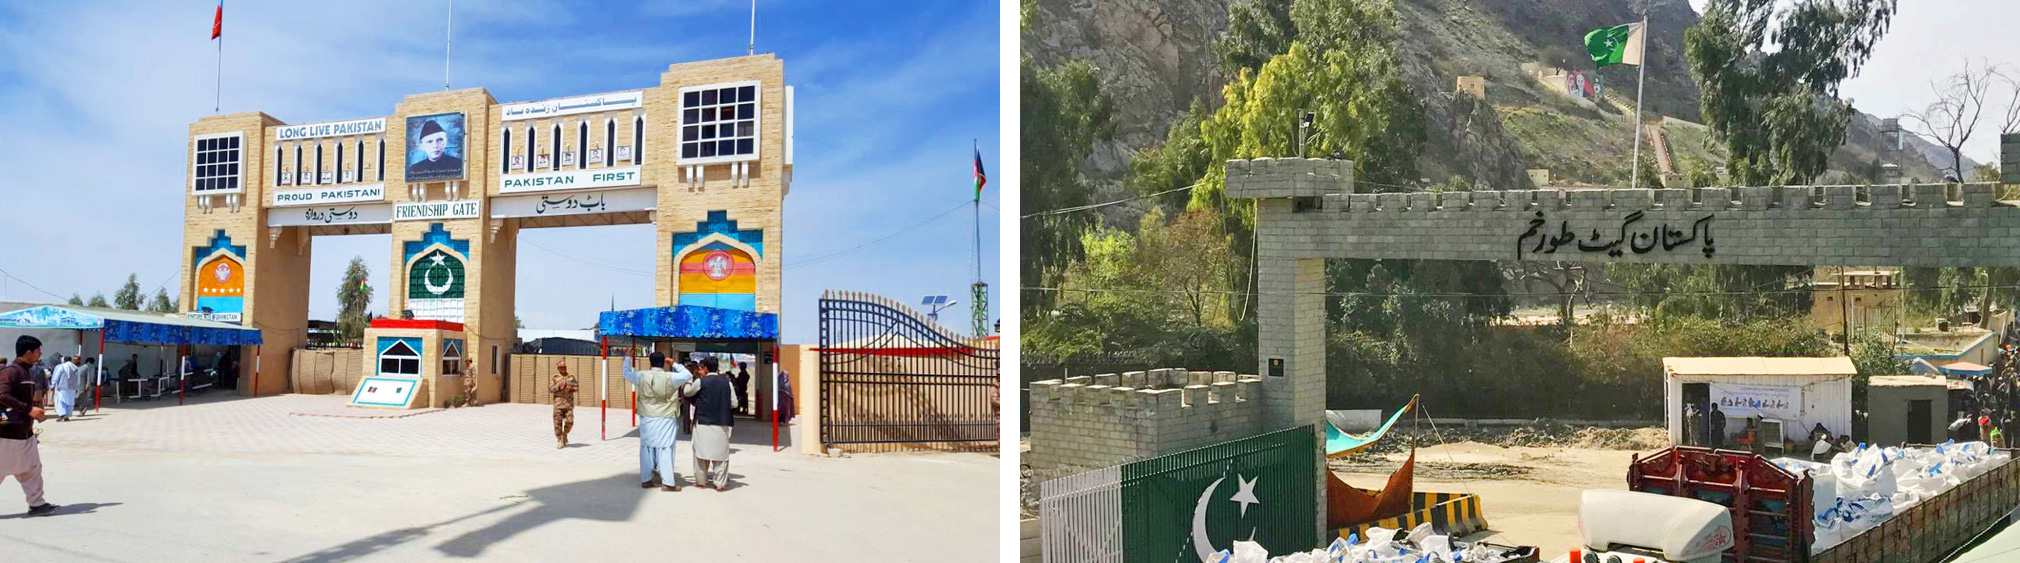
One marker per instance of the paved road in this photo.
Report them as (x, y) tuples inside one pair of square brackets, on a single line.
[(245, 480)]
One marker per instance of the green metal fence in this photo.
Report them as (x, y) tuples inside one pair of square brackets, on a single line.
[(1188, 505)]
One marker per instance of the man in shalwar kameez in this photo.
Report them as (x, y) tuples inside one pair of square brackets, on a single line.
[(658, 420), (64, 383), (715, 403)]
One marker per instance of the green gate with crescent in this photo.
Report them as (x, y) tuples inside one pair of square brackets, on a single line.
[(1189, 505)]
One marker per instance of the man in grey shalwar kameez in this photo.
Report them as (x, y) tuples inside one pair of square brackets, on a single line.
[(715, 402), (658, 420)]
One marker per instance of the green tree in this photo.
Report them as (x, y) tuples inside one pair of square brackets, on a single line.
[(1064, 113), (98, 300), (1363, 111), (1257, 30), (1777, 109), (353, 298), (1189, 257), (1181, 161), (1987, 172), (76, 300), (160, 303), (128, 297), (1715, 291)]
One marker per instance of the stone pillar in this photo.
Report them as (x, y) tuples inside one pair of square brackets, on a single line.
[(1291, 284)]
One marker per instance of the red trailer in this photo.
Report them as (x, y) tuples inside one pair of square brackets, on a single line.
[(1771, 512)]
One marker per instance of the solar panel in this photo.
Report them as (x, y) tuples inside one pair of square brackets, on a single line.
[(932, 300)]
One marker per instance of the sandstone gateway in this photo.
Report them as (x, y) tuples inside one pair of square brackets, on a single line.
[(705, 156)]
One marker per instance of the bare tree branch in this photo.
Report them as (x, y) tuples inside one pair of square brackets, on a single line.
[(1950, 120)]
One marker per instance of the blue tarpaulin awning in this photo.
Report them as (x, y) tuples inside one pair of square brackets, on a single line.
[(133, 327), (689, 322)]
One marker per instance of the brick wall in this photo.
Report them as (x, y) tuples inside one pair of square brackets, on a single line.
[(1102, 420)]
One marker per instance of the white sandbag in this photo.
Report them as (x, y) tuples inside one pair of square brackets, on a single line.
[(1250, 552), (1380, 536), (1417, 534), (1438, 546)]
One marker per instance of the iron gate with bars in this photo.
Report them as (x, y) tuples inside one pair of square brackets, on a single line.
[(889, 375), (1188, 505)]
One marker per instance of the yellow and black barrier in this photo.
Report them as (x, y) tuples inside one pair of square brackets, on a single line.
[(1453, 514)]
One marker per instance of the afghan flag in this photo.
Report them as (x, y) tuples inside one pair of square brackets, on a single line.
[(1620, 44), (217, 23), (981, 176)]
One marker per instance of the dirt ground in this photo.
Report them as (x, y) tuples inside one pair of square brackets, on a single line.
[(1529, 494)]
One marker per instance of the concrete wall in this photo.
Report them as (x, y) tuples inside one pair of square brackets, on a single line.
[(1102, 420), (1888, 404)]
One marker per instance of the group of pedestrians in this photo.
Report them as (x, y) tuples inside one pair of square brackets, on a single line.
[(695, 398)]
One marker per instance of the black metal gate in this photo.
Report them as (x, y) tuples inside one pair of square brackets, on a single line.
[(889, 375)]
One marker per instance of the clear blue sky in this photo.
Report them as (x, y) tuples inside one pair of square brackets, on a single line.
[(96, 98)]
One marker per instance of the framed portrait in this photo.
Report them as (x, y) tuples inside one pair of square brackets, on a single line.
[(624, 153), (540, 161), (568, 157), (518, 162), (435, 147), (596, 154)]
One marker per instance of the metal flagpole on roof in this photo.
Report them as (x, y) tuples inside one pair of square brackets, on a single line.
[(752, 49)]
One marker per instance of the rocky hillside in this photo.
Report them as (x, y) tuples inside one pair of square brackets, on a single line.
[(1157, 56)]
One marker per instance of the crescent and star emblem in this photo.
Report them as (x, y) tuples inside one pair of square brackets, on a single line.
[(428, 279), (1202, 545)]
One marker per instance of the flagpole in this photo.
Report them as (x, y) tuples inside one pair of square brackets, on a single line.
[(978, 223), (448, 37), (217, 94), (1639, 83)]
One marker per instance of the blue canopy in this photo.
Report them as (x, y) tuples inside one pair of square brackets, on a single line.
[(689, 322), (132, 326)]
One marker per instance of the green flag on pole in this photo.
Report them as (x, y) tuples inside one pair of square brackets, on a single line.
[(1620, 44)]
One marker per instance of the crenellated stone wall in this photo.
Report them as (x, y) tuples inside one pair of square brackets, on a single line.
[(1319, 215), (1102, 420)]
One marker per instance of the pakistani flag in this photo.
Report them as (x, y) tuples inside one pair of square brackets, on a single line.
[(435, 284), (1190, 506), (1620, 44)]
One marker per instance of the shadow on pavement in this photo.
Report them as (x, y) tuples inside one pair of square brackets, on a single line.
[(68, 509), (613, 499)]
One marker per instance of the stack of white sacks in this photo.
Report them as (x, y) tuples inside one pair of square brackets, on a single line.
[(1859, 489), (1383, 545)]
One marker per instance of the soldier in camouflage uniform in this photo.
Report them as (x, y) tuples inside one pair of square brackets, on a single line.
[(469, 383), (563, 387)]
